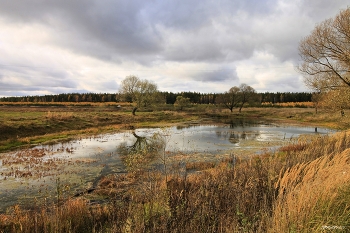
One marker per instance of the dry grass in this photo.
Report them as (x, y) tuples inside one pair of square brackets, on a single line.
[(290, 104), (303, 187), (60, 116), (311, 177), (300, 188)]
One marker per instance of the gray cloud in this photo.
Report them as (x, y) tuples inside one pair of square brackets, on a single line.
[(144, 34), (220, 75), (106, 29)]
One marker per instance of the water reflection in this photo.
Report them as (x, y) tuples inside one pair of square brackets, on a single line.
[(235, 137), (138, 155)]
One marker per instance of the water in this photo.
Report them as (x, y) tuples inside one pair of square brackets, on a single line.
[(45, 171)]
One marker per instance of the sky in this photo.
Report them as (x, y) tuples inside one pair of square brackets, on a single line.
[(207, 46)]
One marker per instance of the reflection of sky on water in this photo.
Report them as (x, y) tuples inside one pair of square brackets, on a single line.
[(98, 156)]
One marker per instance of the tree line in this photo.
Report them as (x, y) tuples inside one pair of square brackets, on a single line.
[(166, 97), (65, 97)]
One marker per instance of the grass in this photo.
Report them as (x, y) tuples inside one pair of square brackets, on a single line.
[(300, 188), (311, 194), (22, 125), (25, 124)]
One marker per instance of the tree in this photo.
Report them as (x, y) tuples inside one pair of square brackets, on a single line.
[(142, 92), (325, 55), (336, 100), (316, 100), (326, 52), (230, 98), (182, 102), (246, 94)]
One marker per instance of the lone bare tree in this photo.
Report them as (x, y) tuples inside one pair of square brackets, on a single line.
[(141, 92), (236, 96), (230, 98), (246, 94)]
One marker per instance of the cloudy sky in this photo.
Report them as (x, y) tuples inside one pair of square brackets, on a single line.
[(208, 46)]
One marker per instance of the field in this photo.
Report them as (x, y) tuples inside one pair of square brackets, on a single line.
[(302, 187)]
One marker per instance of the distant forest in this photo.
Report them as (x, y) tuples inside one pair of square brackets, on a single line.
[(169, 97)]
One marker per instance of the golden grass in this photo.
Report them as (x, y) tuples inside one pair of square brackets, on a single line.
[(303, 187), (314, 175), (59, 115), (290, 104)]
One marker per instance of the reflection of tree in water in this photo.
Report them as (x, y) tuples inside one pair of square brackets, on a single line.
[(235, 136), (242, 123), (141, 153)]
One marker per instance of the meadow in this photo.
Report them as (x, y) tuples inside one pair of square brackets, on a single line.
[(301, 187)]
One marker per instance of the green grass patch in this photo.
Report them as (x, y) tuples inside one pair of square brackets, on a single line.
[(10, 145)]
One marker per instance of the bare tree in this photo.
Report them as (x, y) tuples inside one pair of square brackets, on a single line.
[(246, 94), (142, 92), (230, 98), (326, 53)]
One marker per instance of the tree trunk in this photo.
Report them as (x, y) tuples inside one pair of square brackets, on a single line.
[(134, 111), (240, 108)]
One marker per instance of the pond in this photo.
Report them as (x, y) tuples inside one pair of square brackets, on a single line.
[(45, 172)]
